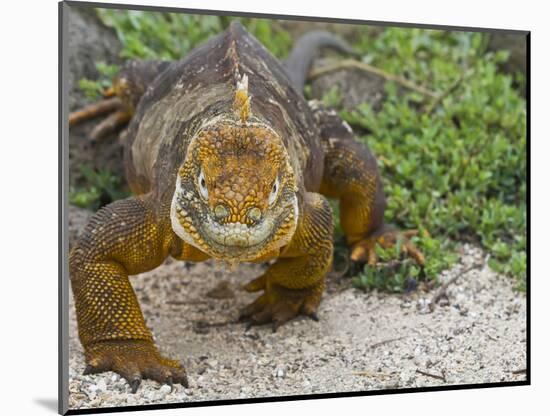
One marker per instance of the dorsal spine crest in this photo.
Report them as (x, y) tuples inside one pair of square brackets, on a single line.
[(242, 99)]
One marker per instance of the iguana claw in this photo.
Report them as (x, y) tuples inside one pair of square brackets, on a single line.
[(170, 382), (134, 360), (134, 385), (364, 251), (280, 305), (88, 370)]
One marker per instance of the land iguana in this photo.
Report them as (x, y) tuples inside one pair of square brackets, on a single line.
[(226, 160)]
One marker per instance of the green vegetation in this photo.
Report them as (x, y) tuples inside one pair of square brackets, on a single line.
[(170, 36), (94, 88), (147, 35), (455, 167), (458, 171), (101, 187), (394, 273)]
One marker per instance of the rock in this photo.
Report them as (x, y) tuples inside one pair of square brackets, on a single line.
[(165, 389), (263, 361), (516, 45), (422, 361), (423, 306), (101, 385), (406, 377), (297, 28), (95, 402), (421, 358), (280, 373), (354, 86), (89, 42)]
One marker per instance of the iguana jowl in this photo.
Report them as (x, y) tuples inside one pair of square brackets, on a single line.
[(228, 161)]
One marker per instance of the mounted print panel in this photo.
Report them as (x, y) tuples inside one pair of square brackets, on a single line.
[(264, 208)]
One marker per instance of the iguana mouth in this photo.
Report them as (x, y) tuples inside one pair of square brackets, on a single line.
[(234, 241), (238, 234)]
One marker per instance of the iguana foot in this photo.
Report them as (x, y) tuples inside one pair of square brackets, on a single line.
[(364, 251), (108, 105), (121, 99), (279, 305), (117, 115), (134, 360)]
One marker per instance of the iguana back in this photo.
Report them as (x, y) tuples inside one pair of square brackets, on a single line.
[(196, 89)]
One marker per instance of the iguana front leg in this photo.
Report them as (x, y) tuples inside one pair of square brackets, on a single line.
[(351, 175), (294, 284), (123, 238)]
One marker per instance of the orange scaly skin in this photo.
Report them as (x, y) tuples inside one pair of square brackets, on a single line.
[(351, 176), (226, 161)]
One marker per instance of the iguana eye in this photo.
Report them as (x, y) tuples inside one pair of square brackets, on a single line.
[(274, 192), (202, 186)]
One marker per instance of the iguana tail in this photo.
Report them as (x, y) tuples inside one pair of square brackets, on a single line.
[(299, 61)]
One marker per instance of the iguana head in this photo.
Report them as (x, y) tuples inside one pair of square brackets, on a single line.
[(235, 196)]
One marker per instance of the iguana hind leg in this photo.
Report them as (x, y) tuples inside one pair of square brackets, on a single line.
[(121, 239), (351, 175), (106, 106), (121, 99), (294, 284)]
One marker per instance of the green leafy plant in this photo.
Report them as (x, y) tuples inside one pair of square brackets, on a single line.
[(93, 88), (458, 171), (101, 187), (146, 35), (332, 98), (395, 272)]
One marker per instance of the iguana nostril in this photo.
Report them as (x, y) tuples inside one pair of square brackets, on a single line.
[(255, 214), (220, 211)]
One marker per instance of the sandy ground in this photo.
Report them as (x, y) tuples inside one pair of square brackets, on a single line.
[(363, 341)]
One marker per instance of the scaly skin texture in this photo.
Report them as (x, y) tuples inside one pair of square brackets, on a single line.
[(122, 239), (226, 161), (351, 176), (246, 204), (295, 283)]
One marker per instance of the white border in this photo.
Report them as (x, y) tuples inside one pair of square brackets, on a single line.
[(28, 174)]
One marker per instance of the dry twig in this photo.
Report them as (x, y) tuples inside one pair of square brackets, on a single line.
[(437, 376), (370, 374), (352, 63), (205, 324), (430, 108), (520, 371), (386, 341), (443, 289)]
